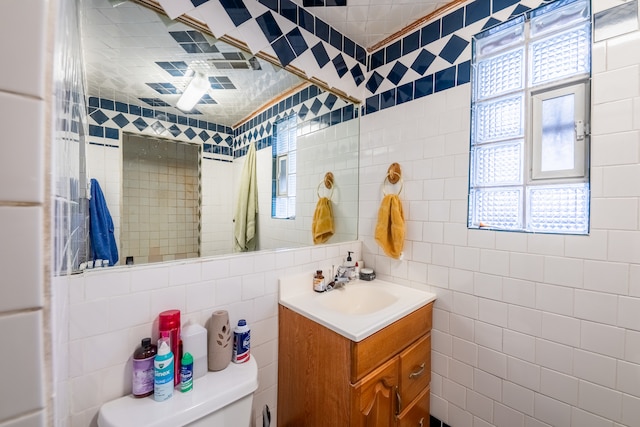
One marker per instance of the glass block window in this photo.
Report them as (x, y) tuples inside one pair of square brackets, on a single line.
[(530, 122), (283, 202)]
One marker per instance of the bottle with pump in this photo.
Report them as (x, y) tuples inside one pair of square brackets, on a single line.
[(143, 370), (351, 266), (163, 371)]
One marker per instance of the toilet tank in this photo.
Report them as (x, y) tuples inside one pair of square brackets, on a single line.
[(221, 398)]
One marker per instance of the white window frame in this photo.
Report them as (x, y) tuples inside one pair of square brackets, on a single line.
[(514, 42), (580, 132), (285, 129)]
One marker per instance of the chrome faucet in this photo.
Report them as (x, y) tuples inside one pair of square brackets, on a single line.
[(341, 278)]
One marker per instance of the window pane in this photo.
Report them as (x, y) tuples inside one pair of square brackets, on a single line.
[(499, 38), (558, 209), (291, 201), (558, 137), (552, 18), (500, 74), (282, 144), (292, 185), (282, 176), (292, 133), (497, 164), (496, 208), (281, 207), (293, 162), (499, 119), (561, 55)]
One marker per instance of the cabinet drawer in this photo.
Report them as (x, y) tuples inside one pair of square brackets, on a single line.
[(415, 369), (386, 343), (417, 414)]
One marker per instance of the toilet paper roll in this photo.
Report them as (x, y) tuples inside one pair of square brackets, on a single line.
[(220, 341)]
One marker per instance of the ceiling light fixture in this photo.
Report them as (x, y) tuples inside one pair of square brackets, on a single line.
[(196, 88)]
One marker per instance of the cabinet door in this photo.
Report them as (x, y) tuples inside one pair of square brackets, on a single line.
[(417, 413), (374, 397)]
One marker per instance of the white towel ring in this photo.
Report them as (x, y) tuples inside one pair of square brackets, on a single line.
[(388, 181), (329, 189), (394, 174)]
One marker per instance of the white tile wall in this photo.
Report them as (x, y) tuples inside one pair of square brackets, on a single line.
[(436, 157), (109, 318), (22, 215), (555, 318)]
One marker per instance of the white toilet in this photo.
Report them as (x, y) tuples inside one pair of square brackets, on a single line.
[(218, 399)]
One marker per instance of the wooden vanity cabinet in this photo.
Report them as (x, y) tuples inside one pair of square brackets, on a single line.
[(325, 379)]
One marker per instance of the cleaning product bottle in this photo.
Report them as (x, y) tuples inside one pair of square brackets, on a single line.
[(241, 342), (143, 370), (194, 341), (169, 322), (186, 373), (163, 371)]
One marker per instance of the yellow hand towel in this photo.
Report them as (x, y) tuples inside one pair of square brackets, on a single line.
[(322, 225), (390, 228)]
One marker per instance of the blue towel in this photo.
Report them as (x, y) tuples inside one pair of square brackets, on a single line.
[(103, 242)]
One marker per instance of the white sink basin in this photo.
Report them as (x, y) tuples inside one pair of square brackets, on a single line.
[(355, 311), (357, 299)]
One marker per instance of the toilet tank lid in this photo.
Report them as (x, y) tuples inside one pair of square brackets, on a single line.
[(210, 393)]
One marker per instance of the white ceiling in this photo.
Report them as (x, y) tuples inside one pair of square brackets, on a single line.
[(122, 42), (367, 22)]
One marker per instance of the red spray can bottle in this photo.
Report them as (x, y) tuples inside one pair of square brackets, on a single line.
[(169, 323)]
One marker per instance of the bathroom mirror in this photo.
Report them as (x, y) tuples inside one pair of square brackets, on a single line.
[(138, 64)]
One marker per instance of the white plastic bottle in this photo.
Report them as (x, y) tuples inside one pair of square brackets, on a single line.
[(163, 371)]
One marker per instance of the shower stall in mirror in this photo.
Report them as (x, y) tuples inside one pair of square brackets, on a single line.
[(161, 198)]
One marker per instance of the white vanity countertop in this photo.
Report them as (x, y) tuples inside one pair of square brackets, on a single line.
[(340, 309)]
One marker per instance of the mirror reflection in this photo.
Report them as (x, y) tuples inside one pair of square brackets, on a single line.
[(172, 168)]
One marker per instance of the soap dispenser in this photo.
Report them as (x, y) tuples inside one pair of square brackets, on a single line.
[(349, 261), (351, 266)]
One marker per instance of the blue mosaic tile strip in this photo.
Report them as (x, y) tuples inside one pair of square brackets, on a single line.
[(237, 11), (452, 50), (444, 26), (269, 26), (293, 44), (297, 42), (172, 118), (99, 117), (320, 53), (386, 67), (397, 73), (110, 128), (315, 110)]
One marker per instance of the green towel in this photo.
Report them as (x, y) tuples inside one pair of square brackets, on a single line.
[(244, 228)]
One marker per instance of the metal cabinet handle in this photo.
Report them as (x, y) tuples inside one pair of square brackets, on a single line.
[(421, 422), (417, 373)]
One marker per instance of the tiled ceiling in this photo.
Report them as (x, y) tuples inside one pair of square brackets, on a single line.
[(135, 56), (368, 22)]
